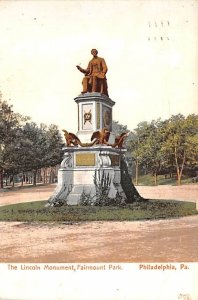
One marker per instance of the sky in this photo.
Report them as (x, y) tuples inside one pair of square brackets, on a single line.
[(150, 48)]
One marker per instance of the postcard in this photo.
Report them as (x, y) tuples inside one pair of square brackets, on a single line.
[(82, 65)]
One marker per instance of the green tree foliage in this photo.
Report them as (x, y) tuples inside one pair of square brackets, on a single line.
[(118, 128), (40, 146), (10, 125), (34, 145), (54, 146), (25, 146), (181, 142), (153, 158), (136, 145), (171, 145)]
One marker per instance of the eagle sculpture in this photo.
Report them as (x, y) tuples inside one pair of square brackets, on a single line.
[(101, 137), (71, 139), (119, 140)]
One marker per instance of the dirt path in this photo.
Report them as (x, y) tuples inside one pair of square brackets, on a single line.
[(183, 192), (173, 240), (19, 195)]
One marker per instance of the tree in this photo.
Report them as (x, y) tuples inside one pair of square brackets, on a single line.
[(151, 149), (53, 155), (40, 147), (181, 142), (118, 128), (54, 146), (35, 138), (136, 146), (25, 146), (10, 124)]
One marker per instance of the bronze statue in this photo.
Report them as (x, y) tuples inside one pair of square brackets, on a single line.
[(95, 75)]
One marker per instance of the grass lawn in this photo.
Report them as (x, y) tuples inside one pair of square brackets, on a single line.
[(149, 180), (146, 210)]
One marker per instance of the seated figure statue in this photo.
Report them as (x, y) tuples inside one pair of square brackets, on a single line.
[(95, 75)]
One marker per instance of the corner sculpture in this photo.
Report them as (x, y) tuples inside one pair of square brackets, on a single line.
[(99, 137), (95, 75), (119, 140), (72, 140)]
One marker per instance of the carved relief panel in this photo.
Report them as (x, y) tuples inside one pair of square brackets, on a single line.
[(87, 116), (106, 117)]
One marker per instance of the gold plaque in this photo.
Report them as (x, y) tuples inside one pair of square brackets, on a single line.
[(115, 160), (85, 159)]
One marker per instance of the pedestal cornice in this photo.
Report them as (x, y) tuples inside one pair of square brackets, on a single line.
[(95, 148), (94, 97)]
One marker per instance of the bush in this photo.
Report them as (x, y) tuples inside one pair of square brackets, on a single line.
[(86, 199), (102, 184)]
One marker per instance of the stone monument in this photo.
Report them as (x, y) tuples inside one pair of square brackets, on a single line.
[(93, 155)]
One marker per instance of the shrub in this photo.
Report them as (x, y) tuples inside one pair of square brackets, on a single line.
[(86, 199), (102, 184)]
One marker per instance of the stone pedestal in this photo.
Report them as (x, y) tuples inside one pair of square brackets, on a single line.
[(94, 113), (83, 169), (79, 170)]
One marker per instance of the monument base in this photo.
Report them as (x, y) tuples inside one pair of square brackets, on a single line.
[(85, 171)]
